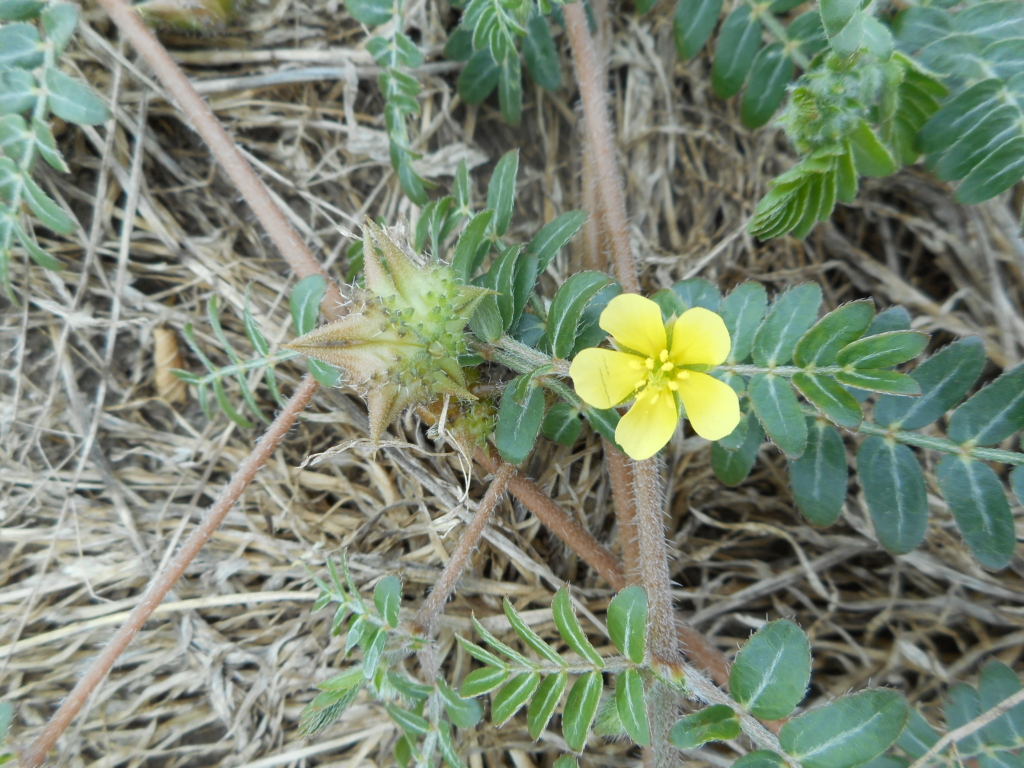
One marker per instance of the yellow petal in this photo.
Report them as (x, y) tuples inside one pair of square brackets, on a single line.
[(648, 426), (711, 405), (635, 323), (604, 377), (700, 337)]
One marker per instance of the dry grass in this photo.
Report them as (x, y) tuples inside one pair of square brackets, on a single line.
[(101, 470)]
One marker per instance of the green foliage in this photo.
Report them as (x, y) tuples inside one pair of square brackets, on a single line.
[(715, 723), (770, 674), (976, 138), (848, 731), (32, 87)]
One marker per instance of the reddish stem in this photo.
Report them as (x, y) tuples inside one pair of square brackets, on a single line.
[(591, 79), (578, 538), (164, 581), (620, 470), (252, 188), (426, 618)]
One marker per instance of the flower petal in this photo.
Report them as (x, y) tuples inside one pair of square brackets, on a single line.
[(604, 377), (700, 337), (711, 405), (635, 323), (648, 426)]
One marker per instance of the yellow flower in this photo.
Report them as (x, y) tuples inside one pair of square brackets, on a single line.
[(657, 366)]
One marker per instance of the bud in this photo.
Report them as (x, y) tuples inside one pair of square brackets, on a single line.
[(399, 345)]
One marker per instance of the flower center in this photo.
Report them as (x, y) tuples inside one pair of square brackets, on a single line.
[(657, 375)]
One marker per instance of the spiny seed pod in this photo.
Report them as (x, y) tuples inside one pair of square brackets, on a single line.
[(400, 343)]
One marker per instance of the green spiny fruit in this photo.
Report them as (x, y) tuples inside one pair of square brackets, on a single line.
[(400, 342)]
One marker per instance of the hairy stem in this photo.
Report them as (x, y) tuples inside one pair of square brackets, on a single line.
[(206, 124), (620, 471), (662, 639), (426, 618), (162, 583), (591, 78), (969, 727), (566, 528)]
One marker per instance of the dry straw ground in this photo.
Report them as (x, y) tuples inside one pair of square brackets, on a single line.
[(102, 470)]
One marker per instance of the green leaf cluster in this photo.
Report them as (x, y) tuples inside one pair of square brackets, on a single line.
[(488, 40), (539, 683), (32, 88), (977, 138)]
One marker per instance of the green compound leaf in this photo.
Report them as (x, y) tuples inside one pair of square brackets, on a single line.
[(694, 22), (791, 315), (305, 303), (944, 379), (961, 706), (890, 382), (472, 245), (544, 703), (581, 709), (742, 310), (20, 46), (528, 636), (821, 344), (714, 723), (883, 350), (770, 74), (465, 713), (17, 91), (372, 643), (387, 597), (411, 691), (19, 10), (918, 737), (627, 623), (830, 398), (483, 680), (73, 101), (992, 414), (779, 411), (518, 422), (959, 115), (491, 640), (738, 43), (501, 190), (996, 173), (698, 292), (632, 707), (541, 55), (566, 761), (975, 497), (770, 675), (732, 467), (848, 731), (447, 746), (372, 13), (869, 154), (995, 683), (47, 146), (412, 724), (59, 21), (510, 89), (836, 14), (554, 235), (512, 277), (37, 254), (562, 424), (567, 307), (479, 78), (513, 696), (760, 758), (604, 421), (894, 488), (49, 213), (571, 631), (590, 333), (818, 478)]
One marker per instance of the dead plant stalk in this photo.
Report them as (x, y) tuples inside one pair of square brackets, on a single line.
[(166, 579)]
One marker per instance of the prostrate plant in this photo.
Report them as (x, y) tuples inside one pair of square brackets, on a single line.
[(32, 87), (768, 680)]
